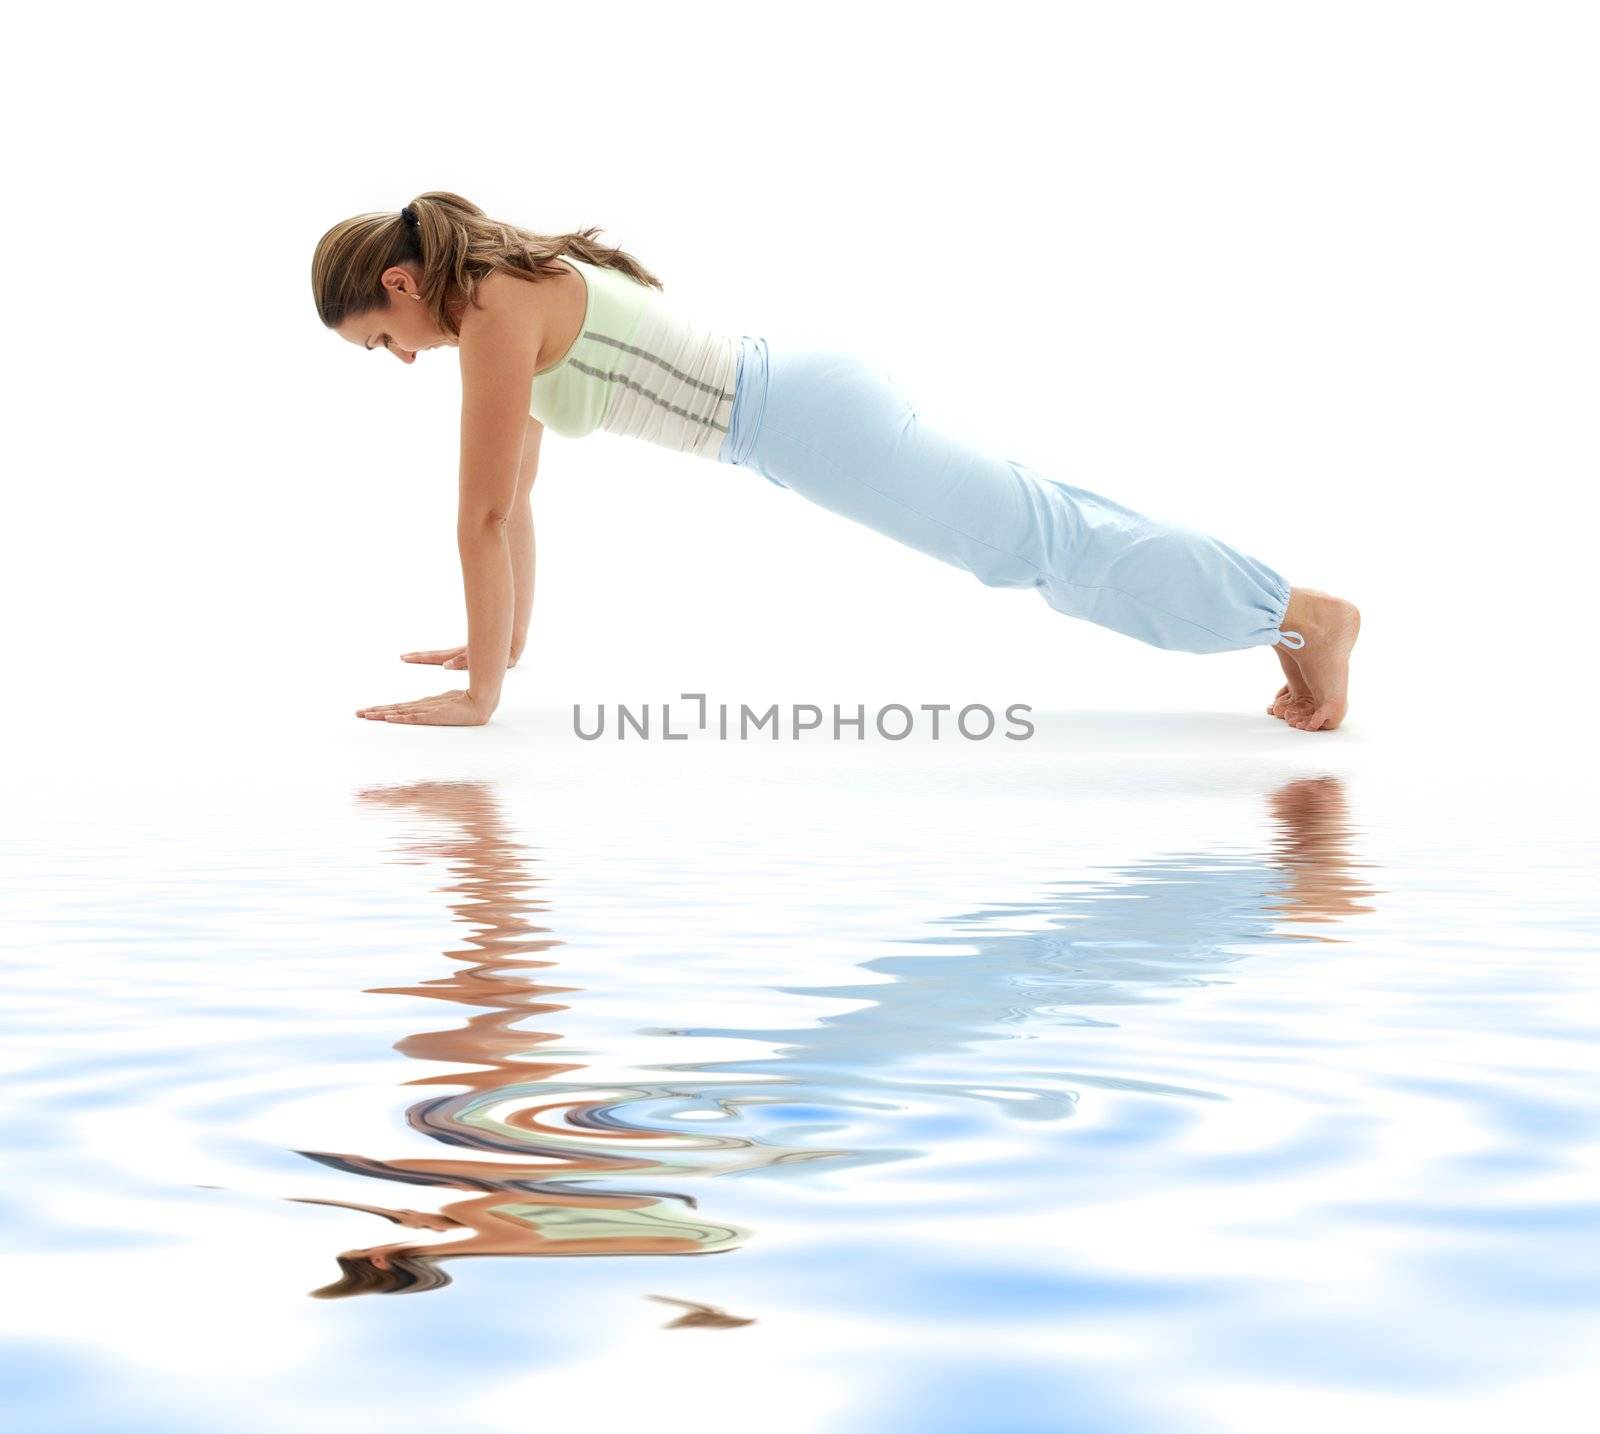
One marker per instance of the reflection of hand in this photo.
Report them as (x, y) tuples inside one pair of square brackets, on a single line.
[(451, 657), (456, 708), (421, 1220), (411, 1219)]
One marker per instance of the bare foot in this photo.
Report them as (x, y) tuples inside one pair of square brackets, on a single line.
[(1329, 626), (1292, 691)]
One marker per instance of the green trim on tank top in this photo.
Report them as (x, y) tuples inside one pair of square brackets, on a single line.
[(574, 395)]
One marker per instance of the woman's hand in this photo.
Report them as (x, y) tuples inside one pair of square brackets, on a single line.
[(455, 708), (452, 657)]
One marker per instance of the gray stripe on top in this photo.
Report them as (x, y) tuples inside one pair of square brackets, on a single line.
[(614, 377), (654, 358)]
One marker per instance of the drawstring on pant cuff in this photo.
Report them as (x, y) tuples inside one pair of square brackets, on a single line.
[(1285, 634)]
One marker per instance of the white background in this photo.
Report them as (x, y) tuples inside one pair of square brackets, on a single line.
[(1320, 280)]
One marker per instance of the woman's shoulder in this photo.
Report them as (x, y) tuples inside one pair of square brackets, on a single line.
[(503, 286), (545, 312), (523, 298)]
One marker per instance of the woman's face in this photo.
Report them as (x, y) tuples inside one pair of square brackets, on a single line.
[(402, 324)]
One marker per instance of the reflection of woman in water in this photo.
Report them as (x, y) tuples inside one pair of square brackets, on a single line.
[(574, 1223), (1157, 924), (513, 1104), (566, 332)]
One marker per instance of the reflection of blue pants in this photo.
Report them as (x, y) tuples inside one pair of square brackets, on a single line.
[(838, 430)]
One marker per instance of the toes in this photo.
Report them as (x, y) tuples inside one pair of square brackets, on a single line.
[(1318, 719)]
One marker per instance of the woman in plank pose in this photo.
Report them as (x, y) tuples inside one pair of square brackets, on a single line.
[(563, 332)]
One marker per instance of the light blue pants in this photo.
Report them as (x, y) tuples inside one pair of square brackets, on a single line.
[(837, 429)]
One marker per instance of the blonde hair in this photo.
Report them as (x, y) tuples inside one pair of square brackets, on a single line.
[(454, 244)]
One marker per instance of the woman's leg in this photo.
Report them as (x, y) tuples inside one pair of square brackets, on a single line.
[(836, 429)]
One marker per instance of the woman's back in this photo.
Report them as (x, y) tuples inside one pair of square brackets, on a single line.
[(639, 368)]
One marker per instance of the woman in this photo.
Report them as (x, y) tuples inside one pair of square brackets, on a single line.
[(562, 332)]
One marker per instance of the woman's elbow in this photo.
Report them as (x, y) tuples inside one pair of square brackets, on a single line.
[(489, 522)]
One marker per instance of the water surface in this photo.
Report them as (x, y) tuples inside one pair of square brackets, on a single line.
[(1081, 1088)]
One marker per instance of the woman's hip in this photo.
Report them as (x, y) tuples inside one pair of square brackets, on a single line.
[(838, 429), (822, 394)]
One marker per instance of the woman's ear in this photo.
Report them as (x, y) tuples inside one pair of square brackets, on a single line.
[(399, 280)]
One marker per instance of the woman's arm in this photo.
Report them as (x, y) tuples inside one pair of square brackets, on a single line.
[(499, 352), (520, 533)]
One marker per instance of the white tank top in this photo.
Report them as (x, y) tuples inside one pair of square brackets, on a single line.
[(639, 368)]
